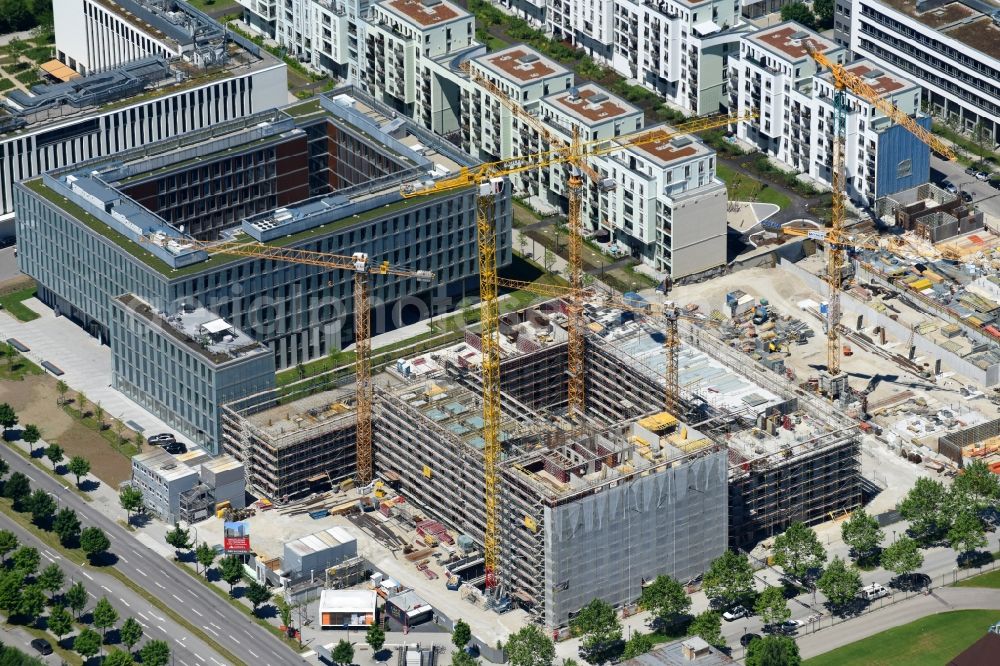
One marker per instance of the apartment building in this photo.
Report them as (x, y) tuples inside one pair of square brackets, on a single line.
[(403, 39), (776, 75), (138, 102), (951, 49), (328, 173)]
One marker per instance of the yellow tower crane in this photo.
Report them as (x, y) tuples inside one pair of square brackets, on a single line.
[(489, 180), (844, 80), (359, 264), (576, 160)]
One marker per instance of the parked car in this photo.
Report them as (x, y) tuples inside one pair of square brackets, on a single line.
[(786, 627), (42, 646), (735, 613), (972, 171), (175, 448), (949, 186), (966, 196), (873, 592), (747, 639), (983, 176), (162, 439)]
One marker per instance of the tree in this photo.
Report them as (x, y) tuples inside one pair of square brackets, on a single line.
[(798, 551), (285, 610), (730, 578), (94, 542), (665, 598), (977, 482), (772, 606), (119, 428), (461, 634), (231, 569), (8, 542), (105, 616), (130, 633), (463, 658), (17, 488), (640, 643), (530, 646), (54, 453), (924, 507), (30, 435), (118, 658), (16, 47), (902, 557), (179, 538), (155, 653), (773, 651), (32, 603), (11, 583), (130, 498), (41, 505), (60, 622), (8, 418), (26, 561), (67, 526), (205, 555), (548, 258), (601, 631), (76, 597), (99, 416), (343, 653), (51, 579), (4, 468), (708, 626), (823, 10), (375, 637), (79, 466), (62, 389), (87, 643), (522, 241), (861, 532), (799, 12), (840, 582), (81, 402), (257, 594), (967, 533), (139, 441)]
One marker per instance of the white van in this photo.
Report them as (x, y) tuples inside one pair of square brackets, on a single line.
[(873, 592)]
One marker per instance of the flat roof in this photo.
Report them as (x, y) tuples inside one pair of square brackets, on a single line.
[(967, 21), (319, 541), (981, 34), (521, 64), (591, 104), (425, 13), (163, 464), (789, 40), (938, 14), (671, 150), (347, 601), (882, 82)]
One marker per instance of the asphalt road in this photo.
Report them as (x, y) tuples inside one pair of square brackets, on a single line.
[(202, 607), (984, 197), (186, 650)]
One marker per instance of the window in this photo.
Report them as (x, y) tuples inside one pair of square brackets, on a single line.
[(904, 169)]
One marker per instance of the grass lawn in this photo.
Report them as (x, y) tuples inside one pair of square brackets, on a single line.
[(18, 368), (743, 188), (988, 579), (13, 303), (929, 641), (6, 84), (216, 5)]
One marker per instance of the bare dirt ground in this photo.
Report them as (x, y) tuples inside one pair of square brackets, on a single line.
[(34, 400)]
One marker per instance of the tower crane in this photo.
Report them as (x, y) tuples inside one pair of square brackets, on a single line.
[(576, 160), (360, 265), (489, 180), (844, 80)]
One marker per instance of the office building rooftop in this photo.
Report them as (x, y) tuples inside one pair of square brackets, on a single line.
[(971, 22)]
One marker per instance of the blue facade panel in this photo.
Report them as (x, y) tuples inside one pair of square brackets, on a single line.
[(896, 145)]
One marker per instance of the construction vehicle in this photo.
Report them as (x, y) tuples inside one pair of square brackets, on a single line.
[(490, 179), (359, 264), (843, 81)]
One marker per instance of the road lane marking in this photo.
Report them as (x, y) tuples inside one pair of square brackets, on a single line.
[(141, 571), (197, 611), (160, 627), (122, 558), (125, 602), (252, 653), (212, 630), (177, 598), (86, 574), (200, 658), (106, 588), (217, 661), (216, 626), (158, 585), (143, 616)]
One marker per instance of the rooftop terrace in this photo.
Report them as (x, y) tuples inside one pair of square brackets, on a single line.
[(591, 104), (673, 150), (425, 13), (521, 64), (789, 40)]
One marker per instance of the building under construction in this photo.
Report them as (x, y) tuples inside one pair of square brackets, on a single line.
[(296, 444)]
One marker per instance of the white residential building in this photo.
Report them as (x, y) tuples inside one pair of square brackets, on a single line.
[(776, 76), (951, 49)]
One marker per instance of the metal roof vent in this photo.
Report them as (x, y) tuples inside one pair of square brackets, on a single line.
[(528, 58)]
